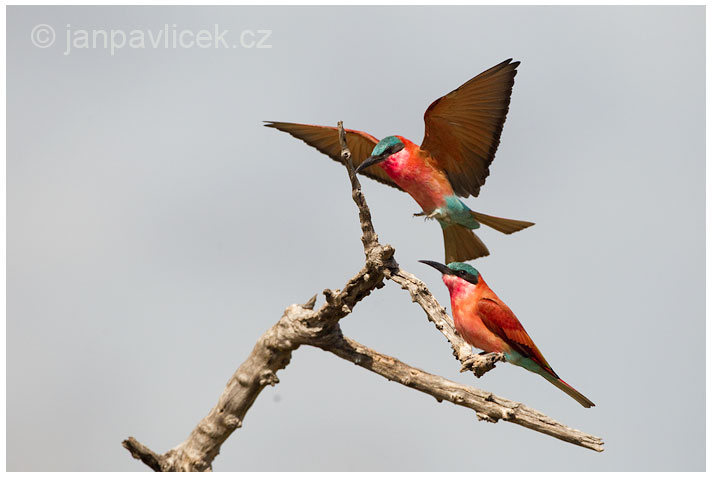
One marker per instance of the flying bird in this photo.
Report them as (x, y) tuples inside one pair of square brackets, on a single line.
[(462, 131), (486, 322)]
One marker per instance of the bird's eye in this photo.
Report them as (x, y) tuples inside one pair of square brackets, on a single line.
[(393, 149)]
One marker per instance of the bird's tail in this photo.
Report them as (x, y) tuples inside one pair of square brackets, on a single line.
[(461, 244), (506, 226), (569, 390)]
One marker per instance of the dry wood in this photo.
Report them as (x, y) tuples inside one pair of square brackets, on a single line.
[(302, 325), (487, 406)]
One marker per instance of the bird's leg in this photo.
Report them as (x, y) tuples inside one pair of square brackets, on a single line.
[(435, 214), (425, 215)]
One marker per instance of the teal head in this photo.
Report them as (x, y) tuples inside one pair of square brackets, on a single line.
[(386, 147), (457, 269)]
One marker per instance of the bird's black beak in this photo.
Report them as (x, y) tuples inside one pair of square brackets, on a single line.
[(441, 267), (371, 160)]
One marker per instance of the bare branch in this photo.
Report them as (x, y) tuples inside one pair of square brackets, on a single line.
[(369, 237), (271, 353), (301, 325), (141, 452), (488, 406)]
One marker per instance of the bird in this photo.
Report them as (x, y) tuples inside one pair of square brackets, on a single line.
[(485, 322), (462, 133)]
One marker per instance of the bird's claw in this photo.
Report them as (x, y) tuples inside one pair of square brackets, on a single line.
[(425, 215)]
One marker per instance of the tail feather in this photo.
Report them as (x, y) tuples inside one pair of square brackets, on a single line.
[(506, 226), (461, 244), (570, 391)]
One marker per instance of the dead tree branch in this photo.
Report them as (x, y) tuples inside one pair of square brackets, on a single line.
[(487, 406), (302, 325)]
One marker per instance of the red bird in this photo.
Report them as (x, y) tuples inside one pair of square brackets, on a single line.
[(462, 131), (486, 322)]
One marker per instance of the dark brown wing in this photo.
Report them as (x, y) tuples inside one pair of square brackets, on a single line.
[(326, 140), (462, 128)]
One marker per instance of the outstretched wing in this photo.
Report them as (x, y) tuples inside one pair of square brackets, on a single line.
[(326, 140), (502, 322), (462, 128)]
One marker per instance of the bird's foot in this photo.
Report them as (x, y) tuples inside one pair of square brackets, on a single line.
[(433, 215), (425, 215)]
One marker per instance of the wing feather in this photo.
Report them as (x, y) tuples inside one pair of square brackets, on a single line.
[(499, 318), (326, 140), (463, 128)]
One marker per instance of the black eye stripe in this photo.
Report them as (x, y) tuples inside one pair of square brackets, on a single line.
[(473, 279), (392, 149)]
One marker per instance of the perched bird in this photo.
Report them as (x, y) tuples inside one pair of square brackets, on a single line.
[(462, 131), (486, 322)]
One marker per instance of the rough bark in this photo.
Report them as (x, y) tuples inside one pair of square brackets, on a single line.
[(487, 406), (302, 325)]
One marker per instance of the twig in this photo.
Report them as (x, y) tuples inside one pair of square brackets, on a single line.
[(141, 452), (301, 325), (369, 237)]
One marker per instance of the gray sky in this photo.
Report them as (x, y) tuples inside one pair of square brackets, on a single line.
[(156, 230)]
